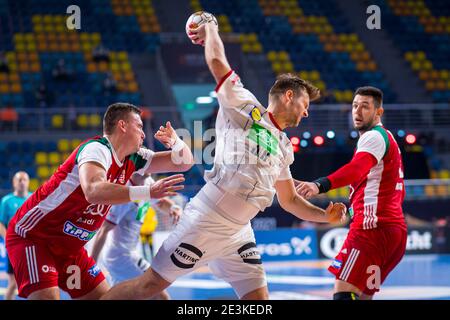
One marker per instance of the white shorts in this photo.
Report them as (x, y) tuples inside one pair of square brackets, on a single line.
[(125, 268), (204, 237)]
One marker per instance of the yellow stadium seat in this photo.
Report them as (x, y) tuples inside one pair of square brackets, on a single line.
[(102, 66), (444, 174), (122, 55), (34, 184), (133, 87), (57, 121), (54, 158), (272, 56), (95, 120), (430, 191), (43, 172), (433, 174), (314, 75), (283, 56), (441, 190), (41, 158), (304, 75), (75, 143), (257, 47), (288, 66), (82, 120), (277, 67), (427, 65), (63, 145), (444, 74), (125, 66)]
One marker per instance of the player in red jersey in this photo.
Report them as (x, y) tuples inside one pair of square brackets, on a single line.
[(376, 241), (46, 237)]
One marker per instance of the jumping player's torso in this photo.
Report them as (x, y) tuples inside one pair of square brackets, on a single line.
[(58, 212), (251, 152), (377, 198)]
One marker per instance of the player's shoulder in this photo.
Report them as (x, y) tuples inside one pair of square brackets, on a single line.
[(376, 134), (96, 142), (7, 197)]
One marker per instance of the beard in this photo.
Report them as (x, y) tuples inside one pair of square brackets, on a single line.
[(365, 126)]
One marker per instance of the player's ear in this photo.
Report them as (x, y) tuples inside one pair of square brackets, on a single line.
[(121, 125), (289, 95), (380, 111)]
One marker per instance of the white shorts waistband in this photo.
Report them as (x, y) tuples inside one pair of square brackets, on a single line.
[(230, 206)]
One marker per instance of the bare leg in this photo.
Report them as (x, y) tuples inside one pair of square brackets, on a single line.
[(11, 289), (45, 294), (258, 294), (97, 292), (142, 287), (342, 286), (366, 297)]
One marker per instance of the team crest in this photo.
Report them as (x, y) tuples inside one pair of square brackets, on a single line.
[(122, 177), (255, 114)]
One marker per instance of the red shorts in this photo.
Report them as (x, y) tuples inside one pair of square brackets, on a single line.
[(368, 256), (37, 268)]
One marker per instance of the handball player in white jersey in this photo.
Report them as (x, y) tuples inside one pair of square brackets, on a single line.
[(251, 164)]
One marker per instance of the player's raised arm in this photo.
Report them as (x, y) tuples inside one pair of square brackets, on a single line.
[(180, 159), (207, 34), (290, 201)]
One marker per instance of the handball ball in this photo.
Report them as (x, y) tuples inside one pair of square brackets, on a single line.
[(198, 18)]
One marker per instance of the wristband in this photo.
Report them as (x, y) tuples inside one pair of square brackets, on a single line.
[(174, 207), (323, 184), (178, 145), (139, 193)]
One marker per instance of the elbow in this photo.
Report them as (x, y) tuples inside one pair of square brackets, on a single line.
[(90, 195)]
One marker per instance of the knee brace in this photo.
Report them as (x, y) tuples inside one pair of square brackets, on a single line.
[(345, 296)]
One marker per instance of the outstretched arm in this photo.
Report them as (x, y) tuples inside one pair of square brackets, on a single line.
[(302, 209), (214, 49), (355, 170), (180, 159)]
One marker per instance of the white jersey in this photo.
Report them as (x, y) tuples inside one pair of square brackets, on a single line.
[(252, 153)]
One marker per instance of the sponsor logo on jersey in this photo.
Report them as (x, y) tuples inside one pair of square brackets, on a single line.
[(77, 232), (337, 264), (249, 253), (86, 221), (94, 271), (255, 114), (97, 209), (188, 254), (122, 177), (263, 138), (46, 269)]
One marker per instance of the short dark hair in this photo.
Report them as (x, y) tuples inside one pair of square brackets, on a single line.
[(115, 112), (373, 92), (289, 81)]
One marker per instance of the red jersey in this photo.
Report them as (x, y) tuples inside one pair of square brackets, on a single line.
[(58, 212), (376, 199)]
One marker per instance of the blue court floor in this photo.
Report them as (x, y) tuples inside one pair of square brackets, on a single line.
[(416, 277)]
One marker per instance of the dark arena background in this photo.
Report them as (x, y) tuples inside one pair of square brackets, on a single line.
[(56, 83)]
